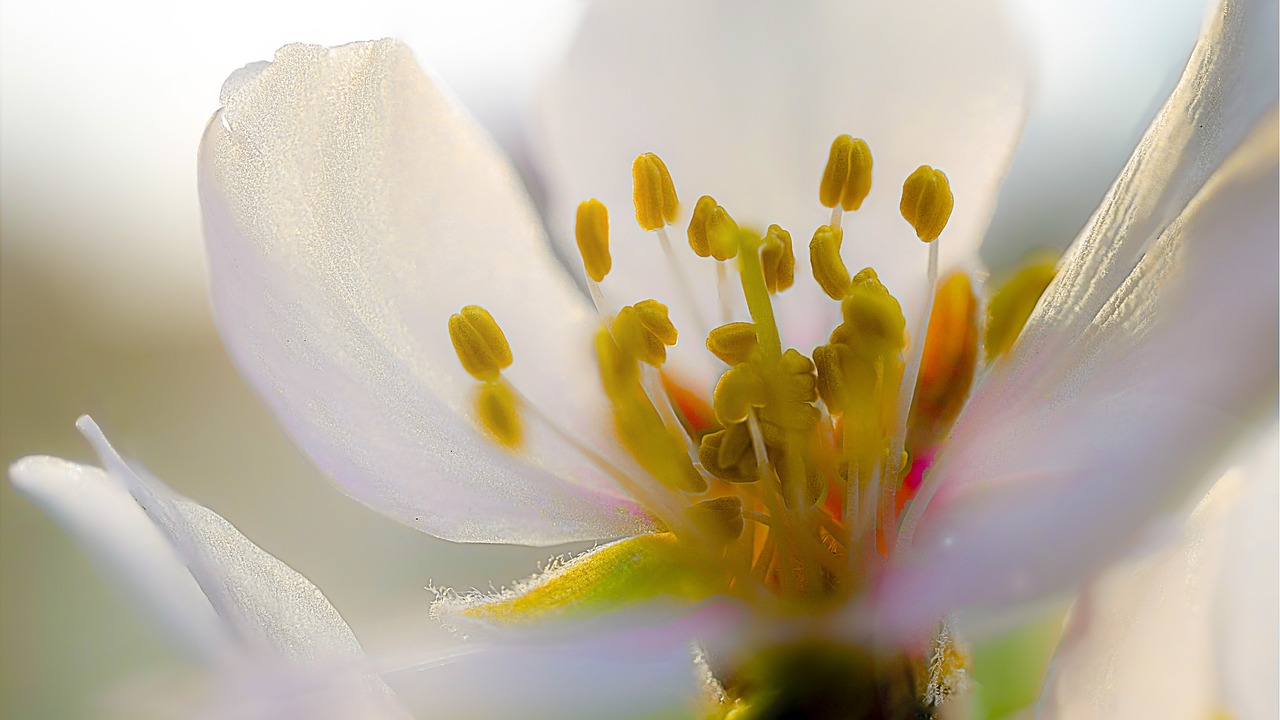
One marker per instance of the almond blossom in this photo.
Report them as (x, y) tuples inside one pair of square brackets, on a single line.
[(823, 464)]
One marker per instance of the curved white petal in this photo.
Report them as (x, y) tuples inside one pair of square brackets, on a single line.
[(1038, 491), (1188, 633), (97, 510), (187, 565), (1230, 83), (633, 669), (742, 101), (350, 207)]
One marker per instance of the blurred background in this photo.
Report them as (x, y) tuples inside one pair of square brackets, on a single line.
[(103, 296)]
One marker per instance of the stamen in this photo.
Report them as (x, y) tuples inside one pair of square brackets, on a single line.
[(658, 446), (828, 268), (645, 331), (1011, 306), (927, 202), (721, 517), (479, 343), (846, 180), (659, 501), (657, 205), (499, 413), (654, 192), (712, 231), (778, 259), (592, 233), (733, 343)]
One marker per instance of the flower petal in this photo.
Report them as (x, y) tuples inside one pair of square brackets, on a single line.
[(642, 670), (1230, 83), (1049, 478), (97, 510), (1190, 632), (742, 102), (185, 561), (350, 207)]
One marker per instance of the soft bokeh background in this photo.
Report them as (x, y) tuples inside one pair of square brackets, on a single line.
[(103, 297)]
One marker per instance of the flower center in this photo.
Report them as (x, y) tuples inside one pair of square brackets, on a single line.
[(791, 476)]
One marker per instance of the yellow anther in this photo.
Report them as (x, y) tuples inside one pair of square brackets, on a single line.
[(738, 390), (499, 413), (873, 322), (778, 259), (830, 361), (847, 177), (722, 232), (619, 371), (644, 330), (657, 447), (657, 320), (479, 343), (1011, 306), (712, 232), (828, 267), (698, 226), (721, 518), (727, 454), (733, 343), (735, 444), (653, 191), (592, 231), (797, 382), (927, 202)]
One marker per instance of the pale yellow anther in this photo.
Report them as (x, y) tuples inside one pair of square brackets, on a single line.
[(619, 370), (722, 232), (720, 518), (735, 443), (654, 192), (727, 454), (712, 231), (927, 202), (846, 180), (778, 259), (479, 343), (828, 267), (732, 343), (645, 330), (592, 232), (499, 413), (698, 226), (830, 361), (1011, 306), (873, 322), (739, 389), (797, 381)]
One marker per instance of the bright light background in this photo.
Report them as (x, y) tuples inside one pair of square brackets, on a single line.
[(103, 296)]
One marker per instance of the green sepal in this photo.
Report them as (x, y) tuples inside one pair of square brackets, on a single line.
[(602, 580)]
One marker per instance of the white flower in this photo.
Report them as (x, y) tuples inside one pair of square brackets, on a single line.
[(351, 208)]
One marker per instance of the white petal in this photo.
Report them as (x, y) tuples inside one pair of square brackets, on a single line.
[(266, 605), (1042, 486), (1230, 83), (105, 520), (350, 207), (633, 672), (742, 101), (1190, 632)]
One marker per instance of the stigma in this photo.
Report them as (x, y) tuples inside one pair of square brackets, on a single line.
[(790, 475)]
